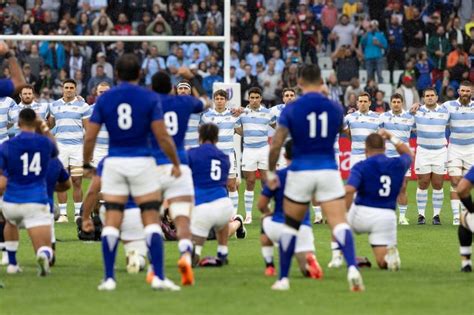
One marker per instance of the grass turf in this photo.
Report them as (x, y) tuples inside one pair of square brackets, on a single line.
[(429, 282)]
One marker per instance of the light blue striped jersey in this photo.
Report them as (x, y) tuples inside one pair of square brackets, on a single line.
[(102, 141), (462, 123), (227, 124), (360, 126), (191, 140), (41, 109), (400, 126), (5, 104), (431, 127), (68, 117), (277, 109), (255, 126)]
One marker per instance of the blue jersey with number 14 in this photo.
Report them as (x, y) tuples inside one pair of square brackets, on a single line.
[(314, 122)]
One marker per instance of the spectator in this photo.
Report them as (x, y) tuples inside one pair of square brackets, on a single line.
[(202, 47), (292, 52), (378, 104), (45, 79), (373, 43), (247, 82), (45, 96), (454, 56), (371, 88), (80, 88), (47, 26), (310, 38), (102, 24), (30, 78), (123, 27), (471, 62), (53, 54), (109, 71), (290, 76), (51, 7), (344, 33), (279, 63), (145, 22), (396, 46), (175, 62), (408, 91), (270, 81), (328, 20), (208, 81), (346, 64), (414, 33), (82, 24), (100, 76), (409, 71), (139, 9), (16, 11), (9, 25), (455, 32), (232, 74), (334, 90), (470, 24), (272, 43), (85, 8), (254, 57), (58, 83), (438, 48), (460, 71), (202, 70), (351, 104), (152, 64), (160, 27), (423, 73), (34, 60), (354, 87), (177, 22), (216, 15), (76, 62), (64, 28)]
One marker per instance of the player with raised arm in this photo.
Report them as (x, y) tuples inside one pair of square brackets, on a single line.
[(466, 228), (192, 138), (255, 121), (358, 125), (210, 167), (272, 225), (130, 114), (313, 121), (377, 182), (399, 123), (70, 116), (24, 160), (102, 143), (27, 97)]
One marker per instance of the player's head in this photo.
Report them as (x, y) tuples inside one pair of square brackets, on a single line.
[(289, 95), (374, 144), (309, 76), (255, 97), (128, 68), (208, 133), (27, 119), (102, 87), (69, 88), (161, 83), (220, 99), (363, 102), (430, 97), (288, 151), (396, 103), (27, 95), (184, 88), (465, 92)]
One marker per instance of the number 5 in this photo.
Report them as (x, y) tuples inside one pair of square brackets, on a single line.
[(216, 170)]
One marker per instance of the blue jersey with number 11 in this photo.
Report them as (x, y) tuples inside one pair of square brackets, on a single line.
[(314, 122)]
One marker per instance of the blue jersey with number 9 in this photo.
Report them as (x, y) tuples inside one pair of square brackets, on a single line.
[(314, 122)]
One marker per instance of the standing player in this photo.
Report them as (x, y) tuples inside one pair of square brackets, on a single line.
[(25, 159), (210, 167), (431, 154), (377, 182), (272, 224), (255, 121), (400, 124), (27, 97), (192, 137), (466, 228), (102, 143), (70, 115), (359, 125), (313, 121), (130, 114)]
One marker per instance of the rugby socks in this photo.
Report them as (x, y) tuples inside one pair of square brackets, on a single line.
[(198, 250), (343, 235), (12, 248), (248, 197), (455, 206), (402, 209), (438, 196), (267, 254), (287, 246), (77, 208), (421, 200), (234, 196), (46, 252), (222, 252), (2, 239), (110, 238), (154, 242), (62, 208), (336, 252), (185, 246), (465, 242), (317, 211)]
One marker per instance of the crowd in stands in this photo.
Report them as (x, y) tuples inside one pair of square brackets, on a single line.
[(420, 43)]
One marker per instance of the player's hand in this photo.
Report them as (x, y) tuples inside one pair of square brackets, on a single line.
[(3, 48), (176, 171), (414, 108), (236, 112), (272, 180), (385, 134), (87, 225)]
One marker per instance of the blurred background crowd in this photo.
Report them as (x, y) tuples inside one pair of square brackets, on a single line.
[(377, 46)]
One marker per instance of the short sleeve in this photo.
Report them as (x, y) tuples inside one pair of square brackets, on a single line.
[(355, 178), (238, 123), (469, 176), (273, 118), (406, 161), (6, 87), (198, 106), (284, 121), (345, 123), (96, 116), (50, 109), (87, 111), (100, 168)]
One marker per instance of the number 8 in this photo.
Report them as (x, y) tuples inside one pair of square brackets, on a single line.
[(124, 112)]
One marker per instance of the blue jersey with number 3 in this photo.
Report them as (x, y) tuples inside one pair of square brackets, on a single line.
[(176, 113), (128, 111), (314, 122), (210, 167), (378, 180), (25, 159)]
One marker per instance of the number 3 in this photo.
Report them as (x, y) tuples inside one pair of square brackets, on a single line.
[(124, 112), (386, 181)]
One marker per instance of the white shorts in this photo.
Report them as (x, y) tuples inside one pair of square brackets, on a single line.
[(255, 158), (29, 215), (304, 242), (233, 165), (70, 155), (129, 175), (175, 186), (460, 159), (132, 228), (430, 161), (356, 158), (99, 154), (324, 185), (381, 224), (212, 214)]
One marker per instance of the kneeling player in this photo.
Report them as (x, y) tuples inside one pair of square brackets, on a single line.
[(466, 228), (377, 182), (214, 209), (272, 226)]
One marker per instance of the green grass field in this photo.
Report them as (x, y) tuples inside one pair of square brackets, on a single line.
[(429, 283)]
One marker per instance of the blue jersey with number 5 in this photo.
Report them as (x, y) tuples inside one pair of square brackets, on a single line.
[(176, 113), (314, 122), (25, 160), (378, 180), (127, 112), (210, 167)]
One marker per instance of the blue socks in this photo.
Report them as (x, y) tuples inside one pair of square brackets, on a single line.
[(343, 235), (287, 249), (222, 252), (110, 238), (12, 248), (154, 242)]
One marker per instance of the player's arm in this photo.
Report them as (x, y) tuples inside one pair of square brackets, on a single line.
[(166, 143), (63, 186), (277, 142), (51, 121), (239, 131), (16, 73), (464, 190), (263, 205), (89, 202), (401, 147), (350, 191), (3, 183), (89, 141)]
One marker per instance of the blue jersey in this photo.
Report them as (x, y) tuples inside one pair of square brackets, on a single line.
[(127, 111), (25, 159), (210, 167), (278, 195), (130, 202), (56, 173), (314, 122), (470, 175), (6, 87), (378, 180), (176, 113)]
